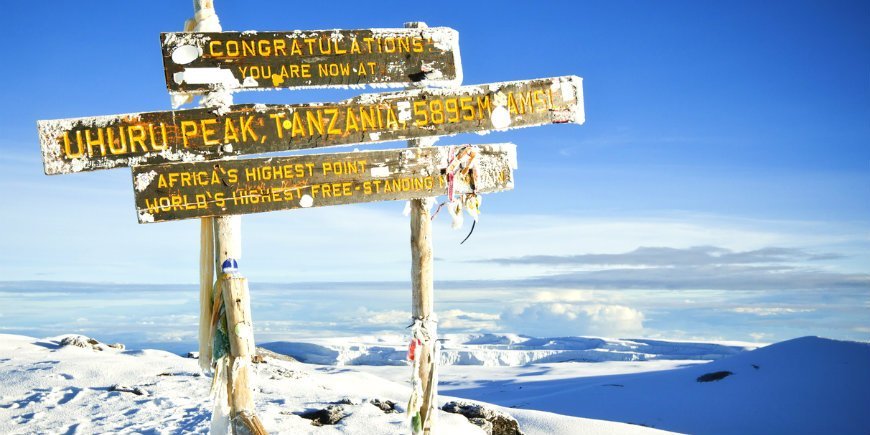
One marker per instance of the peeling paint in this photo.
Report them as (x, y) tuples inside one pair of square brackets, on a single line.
[(404, 110)]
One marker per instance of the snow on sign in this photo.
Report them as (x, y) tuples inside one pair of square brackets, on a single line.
[(82, 144), (188, 190), (201, 62)]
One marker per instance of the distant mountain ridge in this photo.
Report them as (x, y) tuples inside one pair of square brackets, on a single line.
[(502, 350)]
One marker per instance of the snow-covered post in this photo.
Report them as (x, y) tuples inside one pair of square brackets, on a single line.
[(221, 242), (424, 394)]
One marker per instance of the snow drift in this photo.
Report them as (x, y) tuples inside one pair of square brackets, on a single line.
[(808, 385)]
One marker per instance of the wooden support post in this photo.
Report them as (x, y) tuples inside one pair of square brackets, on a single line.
[(206, 290), (237, 303), (422, 307), (226, 244), (422, 299)]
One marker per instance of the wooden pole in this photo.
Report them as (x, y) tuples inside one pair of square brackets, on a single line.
[(240, 328), (225, 242), (422, 299), (206, 290)]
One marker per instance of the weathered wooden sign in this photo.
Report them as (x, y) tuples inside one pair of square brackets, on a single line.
[(201, 62), (187, 190), (83, 144)]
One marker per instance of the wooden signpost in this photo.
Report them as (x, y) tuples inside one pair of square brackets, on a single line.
[(183, 161), (200, 62), (84, 144), (231, 187)]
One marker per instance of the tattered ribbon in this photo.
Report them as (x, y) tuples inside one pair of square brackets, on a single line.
[(423, 334), (461, 161)]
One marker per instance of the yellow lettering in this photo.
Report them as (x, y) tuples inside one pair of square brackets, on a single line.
[(211, 48), (464, 104), (298, 128), (115, 147), (188, 129), (249, 48), (99, 142), (232, 48), (512, 104), (206, 132), (525, 102), (137, 138), (314, 123), (367, 117), (280, 46), (278, 123), (246, 128), (296, 48), (264, 48), (331, 128), (417, 45), (420, 109), (230, 132), (350, 121), (483, 102), (67, 145)]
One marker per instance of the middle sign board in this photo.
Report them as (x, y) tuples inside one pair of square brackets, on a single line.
[(82, 144)]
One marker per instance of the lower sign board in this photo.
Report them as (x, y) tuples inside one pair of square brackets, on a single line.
[(226, 187), (84, 144)]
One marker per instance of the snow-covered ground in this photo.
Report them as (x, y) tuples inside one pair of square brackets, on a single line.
[(551, 386), (47, 388)]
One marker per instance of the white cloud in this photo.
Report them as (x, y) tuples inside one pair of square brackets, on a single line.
[(174, 336), (455, 319), (467, 321), (554, 317), (759, 336), (388, 317), (566, 296), (770, 311)]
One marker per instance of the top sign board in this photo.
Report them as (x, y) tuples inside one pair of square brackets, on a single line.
[(201, 62)]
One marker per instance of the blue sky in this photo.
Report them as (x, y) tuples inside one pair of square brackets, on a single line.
[(726, 156)]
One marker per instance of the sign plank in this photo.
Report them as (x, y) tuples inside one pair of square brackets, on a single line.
[(188, 190), (201, 62), (84, 144)]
